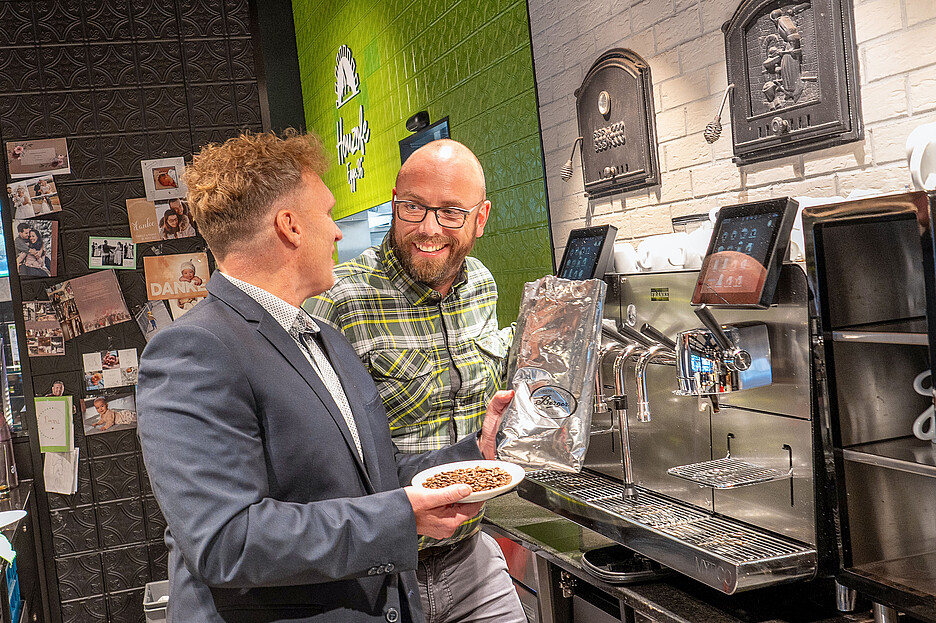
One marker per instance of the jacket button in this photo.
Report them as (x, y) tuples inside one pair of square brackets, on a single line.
[(372, 571), (389, 567), (392, 615)]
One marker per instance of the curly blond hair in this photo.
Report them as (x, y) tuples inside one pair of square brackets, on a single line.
[(233, 185)]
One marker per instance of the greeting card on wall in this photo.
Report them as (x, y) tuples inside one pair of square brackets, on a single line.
[(43, 332), (153, 317), (144, 226), (36, 244), (117, 253), (111, 412), (110, 368), (162, 178), (38, 157), (87, 303), (54, 415), (34, 197), (178, 307), (181, 277), (60, 472)]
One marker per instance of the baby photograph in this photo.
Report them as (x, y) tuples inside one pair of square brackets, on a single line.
[(103, 413)]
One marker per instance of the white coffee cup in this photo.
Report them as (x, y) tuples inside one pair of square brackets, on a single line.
[(662, 252), (697, 245), (924, 427), (921, 156), (625, 258)]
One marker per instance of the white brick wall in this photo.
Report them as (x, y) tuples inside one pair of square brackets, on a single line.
[(683, 42)]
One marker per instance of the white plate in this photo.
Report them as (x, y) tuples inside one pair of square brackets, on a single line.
[(8, 517), (516, 475)]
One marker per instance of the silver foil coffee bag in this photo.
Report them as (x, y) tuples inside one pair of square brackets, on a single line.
[(551, 366)]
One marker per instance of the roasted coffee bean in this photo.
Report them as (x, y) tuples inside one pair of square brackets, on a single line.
[(478, 478)]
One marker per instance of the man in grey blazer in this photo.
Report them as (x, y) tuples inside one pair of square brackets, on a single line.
[(263, 435)]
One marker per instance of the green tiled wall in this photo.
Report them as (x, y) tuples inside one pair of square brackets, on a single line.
[(469, 60)]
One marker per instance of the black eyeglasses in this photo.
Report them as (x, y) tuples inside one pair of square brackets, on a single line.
[(448, 217)]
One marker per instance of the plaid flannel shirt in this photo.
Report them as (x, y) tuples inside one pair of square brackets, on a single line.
[(436, 360)]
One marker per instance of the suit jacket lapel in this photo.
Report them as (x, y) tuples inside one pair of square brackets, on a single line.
[(357, 409), (287, 347)]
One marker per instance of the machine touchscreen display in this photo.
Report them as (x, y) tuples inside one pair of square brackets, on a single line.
[(745, 255), (587, 253)]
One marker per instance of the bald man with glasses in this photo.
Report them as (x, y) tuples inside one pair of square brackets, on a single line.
[(422, 316)]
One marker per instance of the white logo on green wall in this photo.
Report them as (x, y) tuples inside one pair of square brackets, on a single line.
[(347, 82), (347, 86)]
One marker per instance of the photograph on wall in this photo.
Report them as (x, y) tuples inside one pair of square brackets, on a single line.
[(88, 303), (153, 317), (181, 277), (144, 225), (162, 178), (109, 412), (43, 332), (34, 158), (36, 245), (34, 197), (54, 417), (175, 220), (111, 252), (110, 368)]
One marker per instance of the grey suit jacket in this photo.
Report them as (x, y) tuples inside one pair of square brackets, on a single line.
[(271, 514)]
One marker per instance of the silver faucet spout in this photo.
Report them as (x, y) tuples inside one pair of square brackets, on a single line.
[(656, 352), (599, 405), (632, 350)]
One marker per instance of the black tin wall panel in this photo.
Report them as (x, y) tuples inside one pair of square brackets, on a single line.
[(123, 80)]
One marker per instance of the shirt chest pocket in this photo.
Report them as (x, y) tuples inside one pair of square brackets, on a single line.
[(399, 364), (493, 353)]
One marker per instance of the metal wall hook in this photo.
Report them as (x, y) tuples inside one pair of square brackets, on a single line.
[(713, 129), (566, 170)]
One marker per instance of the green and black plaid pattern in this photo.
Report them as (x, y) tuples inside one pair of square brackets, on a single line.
[(436, 361)]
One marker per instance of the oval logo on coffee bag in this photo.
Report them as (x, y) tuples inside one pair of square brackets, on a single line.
[(555, 401)]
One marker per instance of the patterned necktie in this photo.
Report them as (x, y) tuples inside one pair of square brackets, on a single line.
[(330, 379)]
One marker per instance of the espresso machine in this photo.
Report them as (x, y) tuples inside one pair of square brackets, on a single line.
[(706, 451)]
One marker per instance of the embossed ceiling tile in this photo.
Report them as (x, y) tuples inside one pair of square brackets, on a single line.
[(119, 110), (122, 155), (154, 20), (82, 205), (70, 113), (74, 251), (212, 105), (85, 155), (84, 611), (80, 576), (121, 523), (200, 18), (107, 20), (168, 144), (160, 62), (64, 67), (113, 65), (59, 21), (126, 606), (126, 568), (206, 60), (18, 70), (165, 108), (73, 531), (16, 18), (204, 136), (237, 13), (242, 59), (117, 195), (248, 104), (113, 477)]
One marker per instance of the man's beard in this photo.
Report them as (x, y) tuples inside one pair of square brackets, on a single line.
[(433, 272)]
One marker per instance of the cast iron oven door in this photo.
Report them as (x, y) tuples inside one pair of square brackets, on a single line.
[(794, 67), (616, 122)]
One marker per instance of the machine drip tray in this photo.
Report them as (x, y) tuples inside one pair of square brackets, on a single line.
[(718, 551), (616, 564), (727, 473)]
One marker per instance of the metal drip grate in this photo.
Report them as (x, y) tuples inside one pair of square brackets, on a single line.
[(731, 540), (727, 473)]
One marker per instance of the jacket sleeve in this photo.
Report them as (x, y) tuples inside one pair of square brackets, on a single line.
[(203, 450)]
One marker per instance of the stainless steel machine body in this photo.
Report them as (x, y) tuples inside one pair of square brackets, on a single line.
[(730, 536)]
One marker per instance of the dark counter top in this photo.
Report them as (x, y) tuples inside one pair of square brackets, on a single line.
[(676, 599)]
